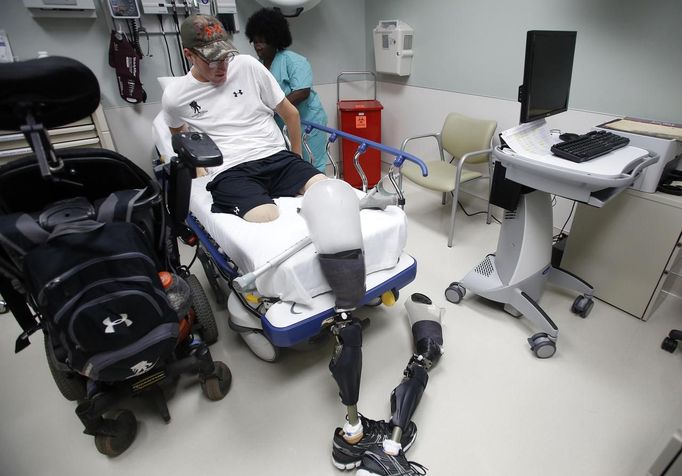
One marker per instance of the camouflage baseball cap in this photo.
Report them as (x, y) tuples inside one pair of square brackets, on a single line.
[(206, 35)]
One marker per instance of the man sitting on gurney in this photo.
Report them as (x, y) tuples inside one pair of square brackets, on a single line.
[(236, 110)]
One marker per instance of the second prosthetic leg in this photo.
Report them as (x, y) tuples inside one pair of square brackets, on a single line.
[(428, 341)]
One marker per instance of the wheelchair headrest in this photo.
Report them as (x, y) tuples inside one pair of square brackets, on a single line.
[(55, 90)]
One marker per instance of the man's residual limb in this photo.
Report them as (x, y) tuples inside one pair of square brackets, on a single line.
[(427, 333)]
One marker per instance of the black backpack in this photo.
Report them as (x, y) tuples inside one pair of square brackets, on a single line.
[(96, 285)]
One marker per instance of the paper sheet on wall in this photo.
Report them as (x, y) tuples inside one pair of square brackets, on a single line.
[(531, 139)]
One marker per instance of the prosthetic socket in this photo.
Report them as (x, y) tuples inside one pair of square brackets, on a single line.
[(428, 340), (332, 212)]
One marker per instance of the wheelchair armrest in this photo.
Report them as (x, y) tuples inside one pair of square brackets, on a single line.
[(196, 149)]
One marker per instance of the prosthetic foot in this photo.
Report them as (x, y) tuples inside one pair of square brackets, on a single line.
[(383, 195), (428, 340)]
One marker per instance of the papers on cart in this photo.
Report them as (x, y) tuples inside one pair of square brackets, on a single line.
[(531, 139)]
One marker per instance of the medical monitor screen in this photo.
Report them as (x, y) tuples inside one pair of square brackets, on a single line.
[(547, 73)]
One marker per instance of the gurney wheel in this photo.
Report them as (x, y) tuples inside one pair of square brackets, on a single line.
[(70, 384), (260, 345), (455, 292), (203, 311), (216, 386), (115, 436)]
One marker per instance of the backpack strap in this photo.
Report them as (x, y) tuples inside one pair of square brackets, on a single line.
[(118, 206), (19, 233), (21, 312)]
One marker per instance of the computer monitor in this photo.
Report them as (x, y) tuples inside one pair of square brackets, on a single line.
[(547, 73)]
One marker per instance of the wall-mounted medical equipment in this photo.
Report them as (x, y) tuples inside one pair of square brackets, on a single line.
[(225, 10), (61, 8), (393, 47), (124, 9), (290, 8)]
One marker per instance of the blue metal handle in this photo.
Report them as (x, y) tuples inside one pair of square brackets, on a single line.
[(400, 156)]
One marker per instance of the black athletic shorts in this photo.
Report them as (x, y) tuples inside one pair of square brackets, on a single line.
[(245, 186)]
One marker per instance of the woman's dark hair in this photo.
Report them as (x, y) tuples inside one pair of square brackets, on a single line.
[(271, 25)]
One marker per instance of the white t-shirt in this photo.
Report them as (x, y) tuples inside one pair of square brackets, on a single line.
[(238, 114)]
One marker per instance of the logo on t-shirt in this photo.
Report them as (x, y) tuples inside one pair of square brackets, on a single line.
[(196, 109), (237, 93)]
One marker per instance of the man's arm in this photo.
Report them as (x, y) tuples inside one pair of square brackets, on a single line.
[(292, 119)]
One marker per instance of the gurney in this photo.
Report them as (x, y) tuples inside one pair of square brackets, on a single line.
[(268, 275)]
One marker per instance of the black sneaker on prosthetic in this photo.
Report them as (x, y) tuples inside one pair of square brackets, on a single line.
[(348, 456), (376, 462)]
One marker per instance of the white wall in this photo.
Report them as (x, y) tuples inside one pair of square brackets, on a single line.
[(627, 59)]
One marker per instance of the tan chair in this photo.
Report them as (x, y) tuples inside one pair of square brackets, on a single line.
[(468, 141)]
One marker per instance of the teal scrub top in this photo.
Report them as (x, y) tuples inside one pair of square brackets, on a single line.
[(293, 72)]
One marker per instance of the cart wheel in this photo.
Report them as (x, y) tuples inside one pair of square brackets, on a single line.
[(70, 384), (455, 292), (389, 298), (542, 345), (669, 345), (216, 386), (582, 306), (117, 434), (203, 311)]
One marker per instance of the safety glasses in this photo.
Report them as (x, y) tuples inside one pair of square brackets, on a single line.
[(218, 63)]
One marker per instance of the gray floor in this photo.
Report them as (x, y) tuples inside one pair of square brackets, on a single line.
[(604, 405)]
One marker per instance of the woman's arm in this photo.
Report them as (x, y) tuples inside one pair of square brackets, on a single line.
[(298, 96)]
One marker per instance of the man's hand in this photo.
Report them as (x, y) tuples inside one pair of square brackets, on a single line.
[(292, 119), (201, 171)]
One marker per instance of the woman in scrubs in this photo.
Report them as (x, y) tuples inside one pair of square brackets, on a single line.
[(268, 31)]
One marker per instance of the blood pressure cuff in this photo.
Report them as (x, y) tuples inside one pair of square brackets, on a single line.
[(125, 58)]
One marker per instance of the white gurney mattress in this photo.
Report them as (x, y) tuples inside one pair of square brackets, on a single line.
[(299, 278)]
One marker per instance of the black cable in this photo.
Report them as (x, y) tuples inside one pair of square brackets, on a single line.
[(185, 66), (477, 213), (163, 33), (134, 35), (561, 232)]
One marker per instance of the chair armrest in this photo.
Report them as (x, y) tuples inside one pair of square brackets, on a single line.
[(435, 135), (468, 155)]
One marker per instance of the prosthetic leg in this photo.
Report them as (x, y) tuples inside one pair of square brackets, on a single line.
[(428, 340), (338, 239)]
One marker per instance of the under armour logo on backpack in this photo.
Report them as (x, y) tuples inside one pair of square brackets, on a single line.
[(111, 325), (237, 93), (141, 367)]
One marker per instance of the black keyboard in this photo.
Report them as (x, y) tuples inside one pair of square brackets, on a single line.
[(588, 146)]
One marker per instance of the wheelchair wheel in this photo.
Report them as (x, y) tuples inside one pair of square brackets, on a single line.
[(216, 386), (70, 384), (202, 310), (117, 434)]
